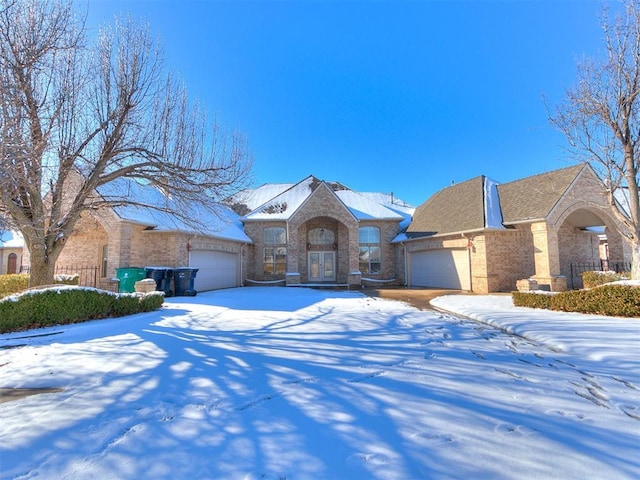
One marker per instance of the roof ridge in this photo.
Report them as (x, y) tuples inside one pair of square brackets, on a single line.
[(547, 173)]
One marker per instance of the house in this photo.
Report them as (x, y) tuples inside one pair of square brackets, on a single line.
[(11, 248), (135, 236), (477, 235), (318, 232), (483, 236)]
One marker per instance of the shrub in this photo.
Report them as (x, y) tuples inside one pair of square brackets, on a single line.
[(609, 300), (531, 300), (594, 279), (10, 284), (62, 305)]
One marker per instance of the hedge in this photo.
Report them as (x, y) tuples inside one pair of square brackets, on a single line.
[(608, 300), (63, 305), (14, 283)]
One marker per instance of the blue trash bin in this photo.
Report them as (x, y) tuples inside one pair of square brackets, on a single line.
[(162, 277), (183, 279)]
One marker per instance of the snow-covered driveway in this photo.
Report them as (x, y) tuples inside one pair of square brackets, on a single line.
[(283, 383)]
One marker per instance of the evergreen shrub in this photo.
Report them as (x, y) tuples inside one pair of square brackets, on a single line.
[(609, 300), (59, 306)]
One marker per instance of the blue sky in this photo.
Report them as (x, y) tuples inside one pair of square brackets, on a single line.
[(390, 96)]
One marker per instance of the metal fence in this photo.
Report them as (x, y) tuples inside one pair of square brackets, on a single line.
[(577, 269), (87, 274)]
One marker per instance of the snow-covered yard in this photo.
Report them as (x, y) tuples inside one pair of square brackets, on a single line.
[(283, 383)]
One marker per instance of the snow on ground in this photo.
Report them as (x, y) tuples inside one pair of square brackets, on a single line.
[(283, 383)]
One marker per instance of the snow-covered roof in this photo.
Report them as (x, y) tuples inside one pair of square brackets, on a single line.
[(219, 221), (251, 199), (11, 239), (288, 200)]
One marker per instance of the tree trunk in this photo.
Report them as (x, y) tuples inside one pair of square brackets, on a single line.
[(635, 260), (42, 267)]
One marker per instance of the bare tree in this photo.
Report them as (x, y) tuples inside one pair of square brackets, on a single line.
[(96, 111), (600, 118)]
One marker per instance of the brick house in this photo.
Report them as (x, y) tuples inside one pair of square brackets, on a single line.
[(482, 236), (318, 232), (133, 236)]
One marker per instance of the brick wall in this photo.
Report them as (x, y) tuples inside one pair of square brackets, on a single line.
[(509, 257), (84, 246), (577, 246)]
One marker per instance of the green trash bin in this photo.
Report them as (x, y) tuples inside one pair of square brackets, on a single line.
[(128, 277)]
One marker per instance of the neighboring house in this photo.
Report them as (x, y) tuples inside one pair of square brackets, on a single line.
[(11, 248), (134, 236), (482, 236), (318, 232)]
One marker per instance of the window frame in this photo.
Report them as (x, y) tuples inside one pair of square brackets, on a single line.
[(369, 249), (274, 253)]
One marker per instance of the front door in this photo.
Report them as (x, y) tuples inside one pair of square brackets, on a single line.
[(322, 266)]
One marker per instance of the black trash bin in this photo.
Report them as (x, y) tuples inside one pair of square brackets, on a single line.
[(183, 279), (162, 276)]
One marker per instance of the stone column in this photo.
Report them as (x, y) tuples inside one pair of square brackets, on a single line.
[(546, 255)]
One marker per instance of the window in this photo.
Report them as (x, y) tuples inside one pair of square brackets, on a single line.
[(105, 259), (369, 257), (275, 251), (320, 236)]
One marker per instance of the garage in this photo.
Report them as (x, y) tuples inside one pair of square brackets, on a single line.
[(440, 269), (216, 269)]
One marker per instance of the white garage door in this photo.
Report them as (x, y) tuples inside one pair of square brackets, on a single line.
[(216, 269), (440, 269)]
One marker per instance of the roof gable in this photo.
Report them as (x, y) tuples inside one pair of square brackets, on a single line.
[(457, 208), (362, 206), (534, 197), (286, 203)]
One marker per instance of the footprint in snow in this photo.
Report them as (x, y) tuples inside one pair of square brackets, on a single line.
[(562, 413), (434, 438), (509, 429), (362, 378), (625, 383), (370, 458), (631, 411)]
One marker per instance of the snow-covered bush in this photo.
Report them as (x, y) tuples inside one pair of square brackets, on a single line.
[(69, 304), (594, 279), (67, 279)]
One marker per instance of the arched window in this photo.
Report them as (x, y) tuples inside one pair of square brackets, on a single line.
[(275, 250), (369, 257), (321, 236)]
